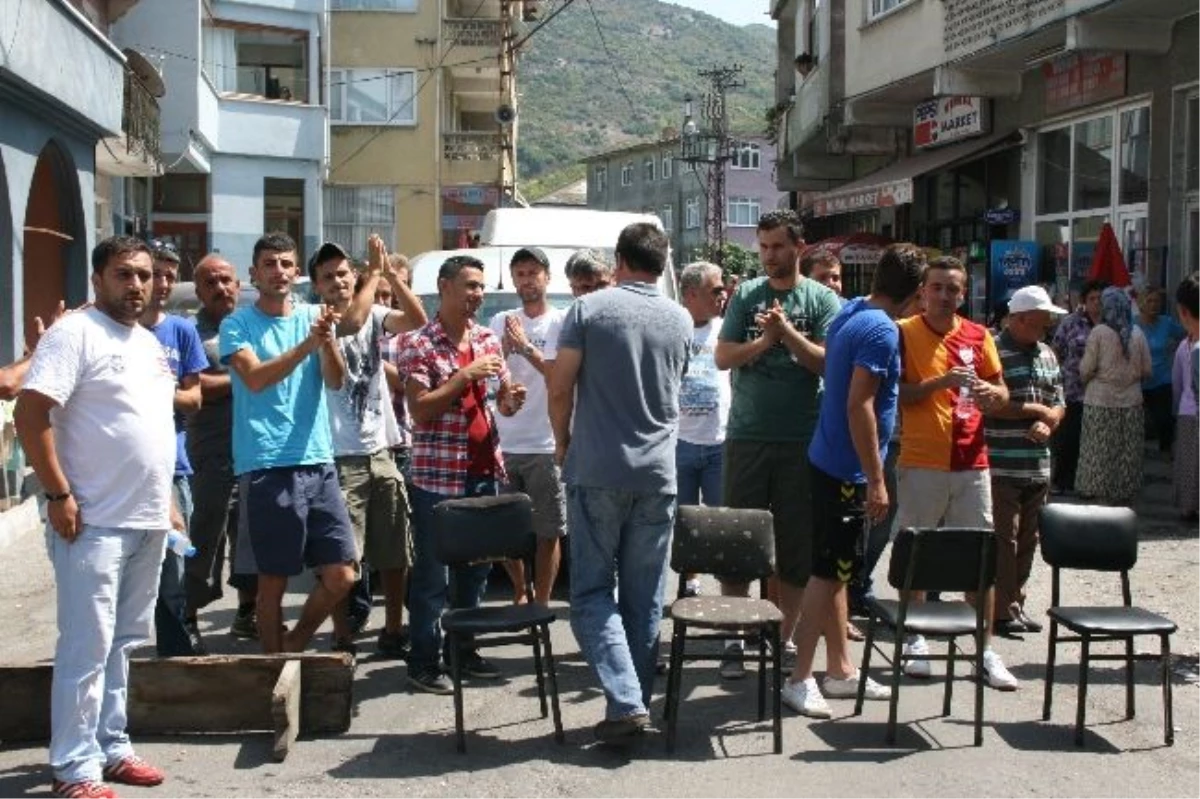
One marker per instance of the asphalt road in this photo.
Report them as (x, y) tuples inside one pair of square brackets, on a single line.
[(401, 744)]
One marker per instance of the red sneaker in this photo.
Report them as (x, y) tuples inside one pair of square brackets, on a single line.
[(84, 789), (134, 771)]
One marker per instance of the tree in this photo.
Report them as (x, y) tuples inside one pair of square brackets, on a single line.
[(735, 260)]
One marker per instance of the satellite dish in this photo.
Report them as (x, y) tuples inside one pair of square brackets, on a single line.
[(145, 72), (505, 114)]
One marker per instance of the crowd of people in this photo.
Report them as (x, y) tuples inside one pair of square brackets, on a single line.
[(322, 436)]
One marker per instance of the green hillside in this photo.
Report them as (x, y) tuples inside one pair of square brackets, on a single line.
[(571, 99)]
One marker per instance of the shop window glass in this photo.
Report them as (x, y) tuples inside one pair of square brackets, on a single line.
[(1135, 156), (1193, 143), (943, 193), (972, 189), (1093, 163), (1084, 233), (1054, 171)]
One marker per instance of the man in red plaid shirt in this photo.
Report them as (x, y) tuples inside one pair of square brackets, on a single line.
[(447, 365)]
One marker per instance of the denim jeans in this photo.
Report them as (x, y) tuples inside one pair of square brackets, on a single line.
[(170, 612), (430, 581), (698, 473), (618, 564), (106, 581)]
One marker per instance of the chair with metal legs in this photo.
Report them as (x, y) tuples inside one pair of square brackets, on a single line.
[(1102, 539)]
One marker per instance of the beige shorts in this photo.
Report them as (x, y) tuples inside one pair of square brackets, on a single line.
[(377, 504), (933, 498)]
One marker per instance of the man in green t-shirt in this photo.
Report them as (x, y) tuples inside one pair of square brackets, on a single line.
[(773, 340)]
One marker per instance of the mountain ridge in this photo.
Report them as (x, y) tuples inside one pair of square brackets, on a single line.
[(576, 101)]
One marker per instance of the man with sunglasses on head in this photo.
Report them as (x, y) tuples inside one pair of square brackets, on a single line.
[(176, 634), (283, 355)]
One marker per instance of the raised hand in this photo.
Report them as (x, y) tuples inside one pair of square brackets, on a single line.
[(483, 367), (376, 254)]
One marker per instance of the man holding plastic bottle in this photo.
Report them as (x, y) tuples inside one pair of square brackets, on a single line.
[(950, 371)]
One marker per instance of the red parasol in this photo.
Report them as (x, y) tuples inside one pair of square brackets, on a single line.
[(1107, 262)]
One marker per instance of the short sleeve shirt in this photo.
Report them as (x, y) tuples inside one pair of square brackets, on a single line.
[(361, 417), (185, 355), (1031, 375), (527, 431), (934, 436), (285, 424), (860, 336), (210, 429), (634, 348), (113, 428), (775, 398)]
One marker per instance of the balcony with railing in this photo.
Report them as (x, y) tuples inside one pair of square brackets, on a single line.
[(473, 38), (137, 151), (472, 156)]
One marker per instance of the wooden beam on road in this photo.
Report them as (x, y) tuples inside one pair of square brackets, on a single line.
[(217, 693)]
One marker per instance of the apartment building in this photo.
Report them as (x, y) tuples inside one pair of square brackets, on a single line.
[(244, 127), (649, 177), (1032, 121), (423, 113)]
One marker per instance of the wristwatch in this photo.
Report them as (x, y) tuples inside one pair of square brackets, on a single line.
[(528, 350), (57, 497)]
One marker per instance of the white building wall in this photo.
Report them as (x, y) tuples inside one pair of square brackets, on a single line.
[(238, 205)]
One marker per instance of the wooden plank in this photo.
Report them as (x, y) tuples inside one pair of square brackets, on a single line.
[(285, 708), (218, 693)]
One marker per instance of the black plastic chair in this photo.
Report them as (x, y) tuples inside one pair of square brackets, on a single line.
[(1103, 539), (487, 529), (942, 559), (739, 546)]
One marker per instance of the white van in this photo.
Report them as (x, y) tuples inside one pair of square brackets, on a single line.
[(559, 232)]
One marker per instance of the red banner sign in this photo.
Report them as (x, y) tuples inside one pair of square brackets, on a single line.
[(1081, 79)]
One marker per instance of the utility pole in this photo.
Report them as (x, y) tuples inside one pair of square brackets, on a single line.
[(709, 146)]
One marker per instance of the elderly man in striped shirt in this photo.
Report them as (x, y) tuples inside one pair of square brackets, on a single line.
[(1018, 435)]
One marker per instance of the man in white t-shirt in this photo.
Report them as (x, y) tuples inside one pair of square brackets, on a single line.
[(705, 394), (364, 430), (95, 421), (530, 337)]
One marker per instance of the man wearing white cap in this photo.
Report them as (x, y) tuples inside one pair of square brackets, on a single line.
[(1018, 436)]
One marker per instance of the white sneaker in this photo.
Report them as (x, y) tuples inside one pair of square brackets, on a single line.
[(848, 688), (805, 698), (996, 675), (915, 665)]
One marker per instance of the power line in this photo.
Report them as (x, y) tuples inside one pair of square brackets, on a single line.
[(611, 60), (517, 44)]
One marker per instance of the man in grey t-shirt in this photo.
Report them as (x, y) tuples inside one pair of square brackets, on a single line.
[(624, 350)]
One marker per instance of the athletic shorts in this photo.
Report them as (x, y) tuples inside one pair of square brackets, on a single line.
[(838, 517), (292, 517)]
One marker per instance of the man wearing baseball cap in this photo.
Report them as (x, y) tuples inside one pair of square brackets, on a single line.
[(1018, 436)]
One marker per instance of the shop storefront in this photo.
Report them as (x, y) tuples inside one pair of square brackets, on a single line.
[(1093, 167), (956, 194)]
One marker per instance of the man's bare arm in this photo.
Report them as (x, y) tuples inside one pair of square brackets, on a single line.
[(562, 380)]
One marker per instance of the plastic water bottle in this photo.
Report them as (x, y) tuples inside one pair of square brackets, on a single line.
[(964, 408), (180, 544)]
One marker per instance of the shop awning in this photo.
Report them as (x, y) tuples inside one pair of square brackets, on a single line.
[(893, 185)]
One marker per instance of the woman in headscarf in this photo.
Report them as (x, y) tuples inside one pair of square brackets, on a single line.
[(1115, 362)]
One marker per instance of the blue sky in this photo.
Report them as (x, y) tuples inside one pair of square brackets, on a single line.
[(739, 12)]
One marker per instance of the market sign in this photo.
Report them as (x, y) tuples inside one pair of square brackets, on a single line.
[(881, 195), (1083, 78), (949, 119), (1002, 216)]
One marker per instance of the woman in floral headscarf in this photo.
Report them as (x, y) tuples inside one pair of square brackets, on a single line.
[(1115, 361)]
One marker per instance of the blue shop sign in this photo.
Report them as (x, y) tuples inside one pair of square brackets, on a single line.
[(1014, 265), (1002, 216)]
